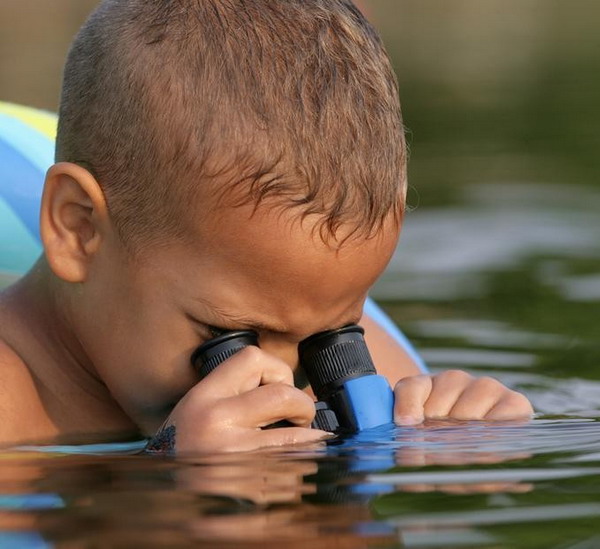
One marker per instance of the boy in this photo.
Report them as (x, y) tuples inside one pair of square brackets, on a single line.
[(221, 164)]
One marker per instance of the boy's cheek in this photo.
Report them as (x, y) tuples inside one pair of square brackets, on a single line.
[(145, 378)]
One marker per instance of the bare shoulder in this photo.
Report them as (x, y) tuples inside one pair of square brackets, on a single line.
[(22, 413), (391, 360)]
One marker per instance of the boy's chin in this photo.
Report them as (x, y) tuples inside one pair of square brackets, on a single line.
[(150, 419)]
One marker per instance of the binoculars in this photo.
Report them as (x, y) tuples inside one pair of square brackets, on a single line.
[(351, 396)]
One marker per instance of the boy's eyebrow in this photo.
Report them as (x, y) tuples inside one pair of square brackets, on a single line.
[(255, 324), (236, 320)]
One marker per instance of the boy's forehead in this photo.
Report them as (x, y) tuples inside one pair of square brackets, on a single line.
[(270, 224), (275, 243)]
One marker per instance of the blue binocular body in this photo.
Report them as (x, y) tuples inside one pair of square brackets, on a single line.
[(360, 403)]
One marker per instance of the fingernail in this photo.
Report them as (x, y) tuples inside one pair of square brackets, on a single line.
[(408, 420), (327, 435)]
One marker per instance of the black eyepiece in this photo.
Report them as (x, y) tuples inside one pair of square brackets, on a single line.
[(333, 357), (210, 354)]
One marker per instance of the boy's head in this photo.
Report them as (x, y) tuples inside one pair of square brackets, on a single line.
[(171, 104), (249, 153)]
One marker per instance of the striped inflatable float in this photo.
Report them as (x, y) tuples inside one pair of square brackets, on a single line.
[(26, 151)]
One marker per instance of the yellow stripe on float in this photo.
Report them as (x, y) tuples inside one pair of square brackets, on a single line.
[(42, 121)]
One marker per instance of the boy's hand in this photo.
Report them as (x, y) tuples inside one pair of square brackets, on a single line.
[(457, 395), (226, 411)]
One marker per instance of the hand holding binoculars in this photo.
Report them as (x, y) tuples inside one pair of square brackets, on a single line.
[(351, 396)]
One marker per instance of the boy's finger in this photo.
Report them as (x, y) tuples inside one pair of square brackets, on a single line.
[(292, 435), (447, 389), (244, 371), (512, 406), (410, 395), (480, 396), (268, 404)]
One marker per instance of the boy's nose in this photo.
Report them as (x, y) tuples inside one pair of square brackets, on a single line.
[(280, 347), (288, 352)]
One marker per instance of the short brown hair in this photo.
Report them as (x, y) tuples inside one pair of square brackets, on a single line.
[(290, 99)]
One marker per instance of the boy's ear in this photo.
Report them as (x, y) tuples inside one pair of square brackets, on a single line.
[(73, 220)]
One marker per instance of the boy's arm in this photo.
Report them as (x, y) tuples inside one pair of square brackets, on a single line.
[(450, 394), (391, 360)]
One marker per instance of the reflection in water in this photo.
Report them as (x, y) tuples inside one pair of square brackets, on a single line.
[(259, 481), (391, 487)]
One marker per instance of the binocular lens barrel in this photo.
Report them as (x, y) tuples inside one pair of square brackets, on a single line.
[(331, 358), (328, 358), (210, 354)]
